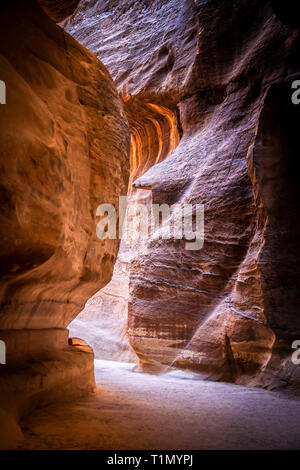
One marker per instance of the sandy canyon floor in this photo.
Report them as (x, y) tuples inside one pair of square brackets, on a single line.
[(132, 410)]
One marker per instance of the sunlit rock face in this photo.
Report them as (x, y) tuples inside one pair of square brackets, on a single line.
[(155, 133), (230, 309), (64, 150), (103, 322)]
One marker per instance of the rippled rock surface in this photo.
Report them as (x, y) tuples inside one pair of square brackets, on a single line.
[(221, 72), (64, 147)]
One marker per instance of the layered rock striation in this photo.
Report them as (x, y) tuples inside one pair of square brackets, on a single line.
[(64, 147), (222, 71)]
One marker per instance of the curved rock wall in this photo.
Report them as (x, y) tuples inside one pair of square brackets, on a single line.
[(103, 322), (214, 64), (64, 150)]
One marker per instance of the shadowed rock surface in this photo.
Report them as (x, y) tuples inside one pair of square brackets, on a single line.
[(222, 70), (64, 147), (58, 10)]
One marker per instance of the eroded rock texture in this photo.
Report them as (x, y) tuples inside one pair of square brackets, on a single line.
[(223, 71), (58, 10), (64, 150), (103, 322)]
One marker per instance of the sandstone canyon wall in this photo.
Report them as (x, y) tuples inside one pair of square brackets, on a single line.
[(64, 147), (221, 71), (103, 323)]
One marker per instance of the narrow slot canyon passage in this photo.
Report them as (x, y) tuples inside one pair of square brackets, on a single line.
[(178, 410), (178, 335)]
